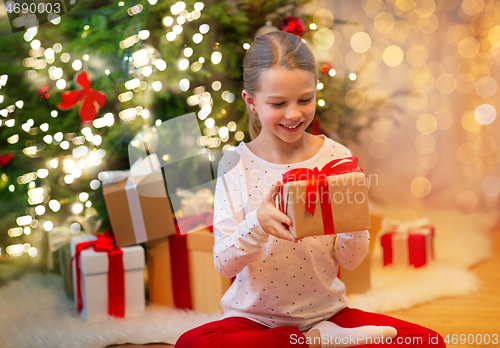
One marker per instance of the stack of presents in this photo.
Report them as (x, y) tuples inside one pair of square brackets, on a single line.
[(149, 246)]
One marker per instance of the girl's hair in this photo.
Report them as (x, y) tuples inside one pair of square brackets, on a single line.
[(274, 49)]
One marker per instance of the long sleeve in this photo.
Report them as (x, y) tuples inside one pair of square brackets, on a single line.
[(350, 248), (238, 235)]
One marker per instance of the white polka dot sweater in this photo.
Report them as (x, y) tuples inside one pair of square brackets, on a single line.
[(277, 282)]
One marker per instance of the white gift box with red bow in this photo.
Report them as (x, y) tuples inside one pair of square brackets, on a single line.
[(406, 245), (94, 268)]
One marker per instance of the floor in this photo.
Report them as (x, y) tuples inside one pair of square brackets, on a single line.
[(473, 317)]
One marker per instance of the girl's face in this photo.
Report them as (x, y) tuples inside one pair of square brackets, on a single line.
[(285, 102)]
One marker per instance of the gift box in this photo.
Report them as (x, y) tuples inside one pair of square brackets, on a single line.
[(59, 245), (168, 272), (413, 246), (64, 254), (182, 272), (329, 201), (207, 285), (107, 282), (358, 280), (168, 264), (195, 203), (138, 206), (196, 210)]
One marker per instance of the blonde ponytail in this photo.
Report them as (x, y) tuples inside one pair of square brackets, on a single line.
[(254, 126)]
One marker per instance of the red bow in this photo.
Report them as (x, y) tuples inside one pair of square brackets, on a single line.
[(116, 274), (91, 99), (190, 222), (5, 159), (316, 178)]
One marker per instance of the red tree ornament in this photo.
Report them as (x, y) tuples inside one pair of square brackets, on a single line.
[(325, 68), (91, 100), (5, 159), (293, 25), (317, 130), (43, 92)]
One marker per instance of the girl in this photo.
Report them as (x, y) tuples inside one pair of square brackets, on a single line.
[(286, 292)]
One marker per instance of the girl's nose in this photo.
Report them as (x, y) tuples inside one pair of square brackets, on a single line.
[(293, 113)]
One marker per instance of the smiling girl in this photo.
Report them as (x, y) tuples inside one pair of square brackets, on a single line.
[(286, 292)]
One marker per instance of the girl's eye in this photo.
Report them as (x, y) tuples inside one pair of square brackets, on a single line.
[(278, 104), (305, 101)]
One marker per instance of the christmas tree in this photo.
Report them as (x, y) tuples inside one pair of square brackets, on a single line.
[(76, 90)]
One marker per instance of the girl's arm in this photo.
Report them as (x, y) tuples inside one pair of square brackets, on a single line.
[(238, 237), (350, 248)]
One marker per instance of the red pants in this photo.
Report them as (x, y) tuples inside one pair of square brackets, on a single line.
[(244, 333)]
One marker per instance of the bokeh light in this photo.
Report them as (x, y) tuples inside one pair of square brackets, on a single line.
[(466, 153), (355, 99), (485, 114), (323, 39), (361, 42), (491, 186), (420, 187), (426, 124), (485, 144), (486, 87), (466, 201), (469, 122), (393, 56)]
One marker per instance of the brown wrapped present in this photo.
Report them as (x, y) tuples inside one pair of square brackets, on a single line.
[(207, 285), (358, 281), (329, 201), (139, 211), (182, 272)]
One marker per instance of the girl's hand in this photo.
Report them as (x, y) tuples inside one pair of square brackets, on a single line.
[(271, 219), (366, 179)]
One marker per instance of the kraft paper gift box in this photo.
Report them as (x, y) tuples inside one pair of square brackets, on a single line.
[(188, 275), (413, 247), (168, 278), (358, 280), (329, 201), (94, 284), (138, 206), (207, 285)]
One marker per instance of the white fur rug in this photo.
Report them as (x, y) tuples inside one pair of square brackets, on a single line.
[(34, 311)]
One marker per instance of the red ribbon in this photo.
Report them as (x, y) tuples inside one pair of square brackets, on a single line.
[(116, 273), (88, 109), (316, 178), (191, 222)]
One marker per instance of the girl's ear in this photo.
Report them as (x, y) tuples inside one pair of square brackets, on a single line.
[(249, 100)]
